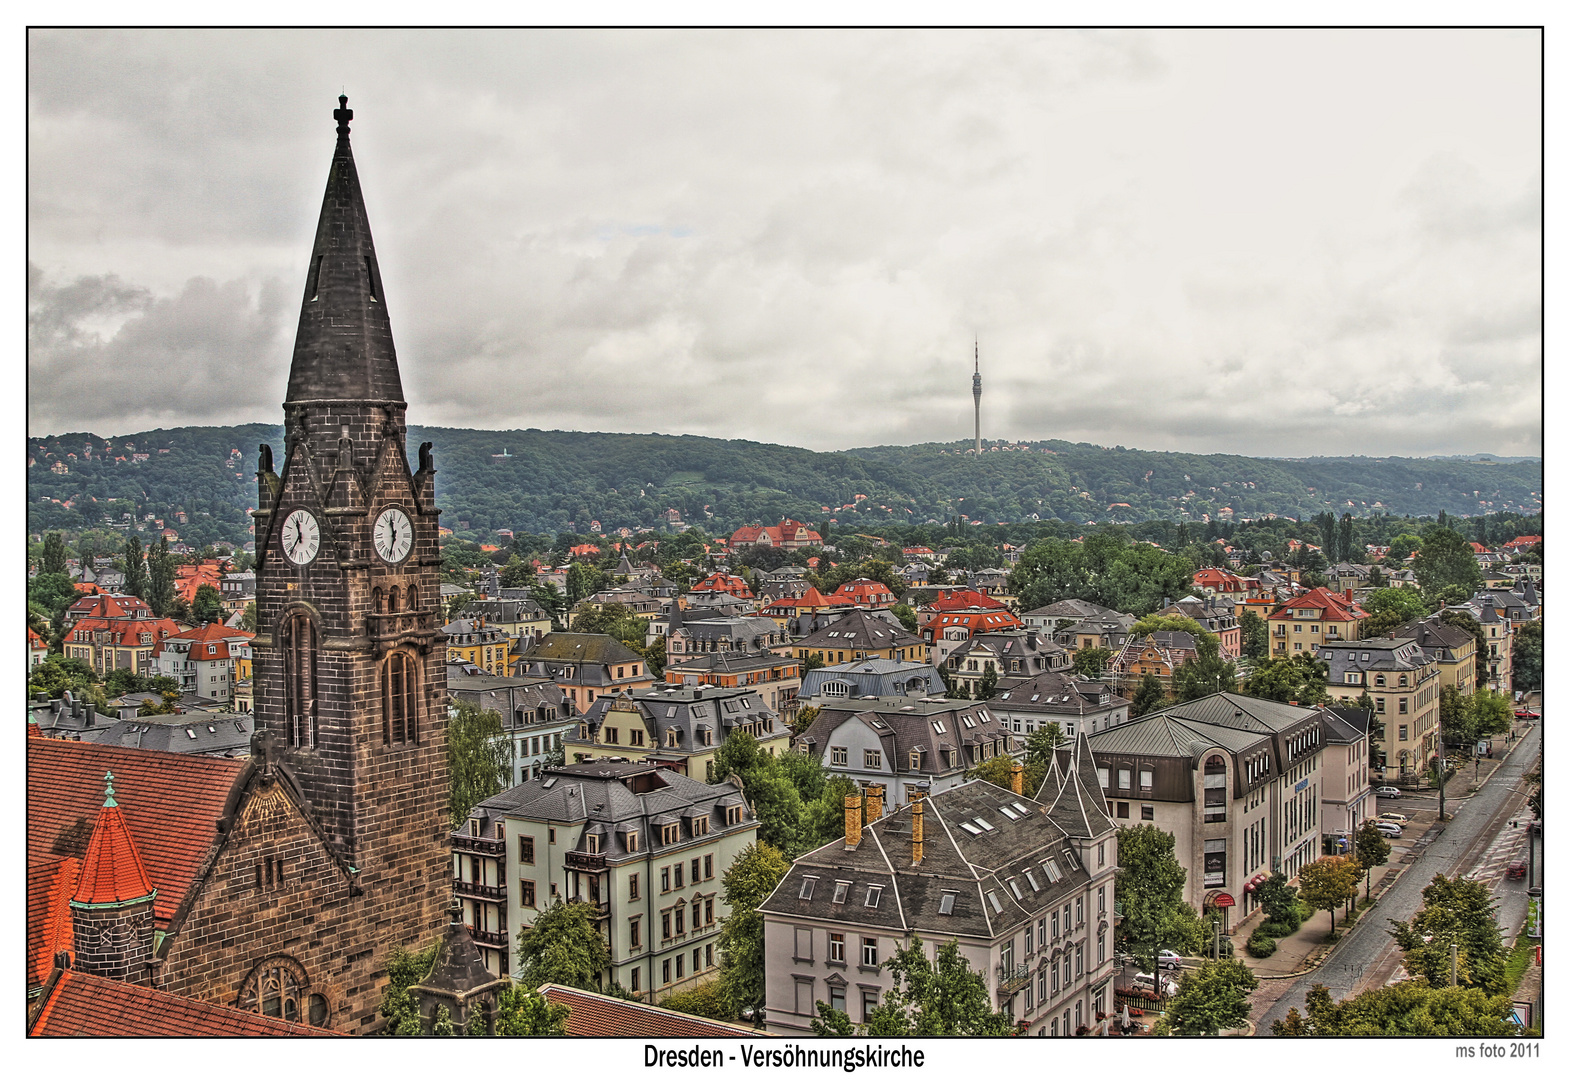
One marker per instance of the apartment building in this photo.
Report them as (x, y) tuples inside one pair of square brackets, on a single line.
[(1318, 617), (1403, 681)]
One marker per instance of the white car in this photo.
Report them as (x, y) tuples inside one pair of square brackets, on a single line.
[(1169, 960), (1145, 981), (1387, 793), (1388, 829)]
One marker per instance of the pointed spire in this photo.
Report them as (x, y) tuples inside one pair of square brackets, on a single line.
[(112, 870), (343, 348)]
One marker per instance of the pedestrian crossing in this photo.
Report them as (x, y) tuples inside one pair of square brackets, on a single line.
[(1505, 849)]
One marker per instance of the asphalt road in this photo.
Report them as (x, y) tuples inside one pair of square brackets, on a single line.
[(1367, 955)]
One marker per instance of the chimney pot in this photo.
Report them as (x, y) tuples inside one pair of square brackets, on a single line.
[(1017, 778), (917, 827), (874, 802), (852, 821)]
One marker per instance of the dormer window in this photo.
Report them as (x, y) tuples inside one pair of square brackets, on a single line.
[(592, 843)]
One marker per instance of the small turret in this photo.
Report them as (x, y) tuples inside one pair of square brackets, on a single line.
[(112, 911)]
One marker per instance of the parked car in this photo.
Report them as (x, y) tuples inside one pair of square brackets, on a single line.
[(1146, 981), (1399, 819), (1516, 869), (1527, 714), (1169, 960), (1389, 829), (1386, 793)]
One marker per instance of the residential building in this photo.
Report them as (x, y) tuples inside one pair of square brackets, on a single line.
[(748, 634), (903, 743), (870, 678), (1059, 697), (776, 678), (186, 733), (956, 600), (676, 727), (1107, 631), (37, 649), (471, 641), (514, 617), (1159, 653), (1061, 613), (645, 845), (1217, 615), (866, 593), (202, 659), (860, 635), (787, 534), (1318, 617), (635, 601), (535, 718), (1348, 799), (1011, 656), (236, 590), (992, 582), (721, 582), (1451, 647), (1029, 902), (1404, 683), (585, 666), (1236, 780)]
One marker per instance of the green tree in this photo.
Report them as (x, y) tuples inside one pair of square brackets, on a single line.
[(1407, 1008), (52, 593), (160, 578), (479, 758), (1490, 713), (1206, 673), (1092, 661), (1279, 902), (1446, 559), (1148, 696), (248, 617), (515, 574), (1150, 889), (1255, 634), (704, 999), (751, 877), (207, 605), (945, 998), (989, 682), (1297, 677), (399, 1007), (1526, 657), (57, 674), (584, 580), (1211, 998), (553, 601), (524, 1012), (906, 616), (832, 1023), (1407, 603), (1372, 849), (1456, 911), (563, 946), (135, 567), (1329, 882), (55, 555)]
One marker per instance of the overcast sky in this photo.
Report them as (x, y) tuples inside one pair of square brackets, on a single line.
[(1258, 242)]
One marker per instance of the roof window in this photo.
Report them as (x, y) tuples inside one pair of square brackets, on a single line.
[(968, 827), (1030, 877), (806, 888), (841, 891), (874, 894), (1006, 812), (946, 905), (983, 823), (992, 898)]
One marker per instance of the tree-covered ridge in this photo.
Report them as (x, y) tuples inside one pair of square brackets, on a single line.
[(554, 481)]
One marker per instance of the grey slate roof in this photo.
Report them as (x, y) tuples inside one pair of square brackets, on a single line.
[(1079, 808), (903, 724), (858, 629), (214, 734), (875, 677), (1057, 692), (972, 862), (561, 646), (690, 710)]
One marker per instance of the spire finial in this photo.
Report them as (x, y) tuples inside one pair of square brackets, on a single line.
[(109, 789), (343, 114)]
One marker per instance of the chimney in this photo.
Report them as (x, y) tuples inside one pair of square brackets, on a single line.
[(1030, 639), (1017, 778), (852, 821), (874, 803), (1349, 596), (918, 798)]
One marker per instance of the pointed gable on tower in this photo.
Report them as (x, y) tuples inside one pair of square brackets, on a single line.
[(112, 871), (1080, 808)]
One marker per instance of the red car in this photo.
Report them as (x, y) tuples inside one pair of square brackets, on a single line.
[(1516, 869), (1527, 714)]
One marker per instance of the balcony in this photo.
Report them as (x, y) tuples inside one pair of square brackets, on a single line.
[(480, 845), (495, 939), (1012, 979), (583, 860), (477, 891)]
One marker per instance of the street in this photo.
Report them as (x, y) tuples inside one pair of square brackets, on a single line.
[(1479, 836)]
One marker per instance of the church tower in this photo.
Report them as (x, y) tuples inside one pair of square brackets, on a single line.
[(350, 664)]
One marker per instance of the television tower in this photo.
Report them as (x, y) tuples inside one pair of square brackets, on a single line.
[(975, 388)]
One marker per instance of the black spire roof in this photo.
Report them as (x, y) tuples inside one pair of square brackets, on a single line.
[(344, 346)]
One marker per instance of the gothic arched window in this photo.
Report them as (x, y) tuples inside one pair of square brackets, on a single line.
[(278, 987), (399, 715), (392, 598), (298, 645)]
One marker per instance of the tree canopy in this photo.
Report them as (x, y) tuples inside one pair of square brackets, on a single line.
[(1150, 889), (749, 880), (1456, 911), (928, 999), (1211, 998), (479, 757), (563, 946), (1328, 882), (1445, 560), (1406, 1008), (1296, 677)]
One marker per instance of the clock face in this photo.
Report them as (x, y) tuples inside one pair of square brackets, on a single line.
[(393, 535), (301, 537)]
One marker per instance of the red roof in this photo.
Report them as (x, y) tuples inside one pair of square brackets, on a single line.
[(34, 641), (172, 803), (1332, 606), (122, 631), (864, 591), (977, 622), (108, 606), (50, 883), (957, 599), (112, 872), (81, 1004), (719, 581), (598, 1015)]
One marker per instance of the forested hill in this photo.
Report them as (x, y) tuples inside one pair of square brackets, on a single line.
[(540, 481)]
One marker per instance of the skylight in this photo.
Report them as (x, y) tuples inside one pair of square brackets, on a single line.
[(841, 891), (997, 905), (1006, 812), (968, 827), (806, 888), (983, 823), (946, 905), (1021, 808), (1030, 877), (1019, 894)]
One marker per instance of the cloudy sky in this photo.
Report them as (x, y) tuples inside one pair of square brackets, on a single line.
[(1260, 242)]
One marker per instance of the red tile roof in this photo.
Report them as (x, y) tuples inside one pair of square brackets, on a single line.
[(80, 1004), (171, 804), (1332, 607), (864, 591), (112, 872), (50, 883), (598, 1015), (956, 599)]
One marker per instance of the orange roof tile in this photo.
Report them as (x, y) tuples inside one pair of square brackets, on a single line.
[(172, 805), (955, 599), (112, 872), (81, 1004), (599, 1015), (50, 883)]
